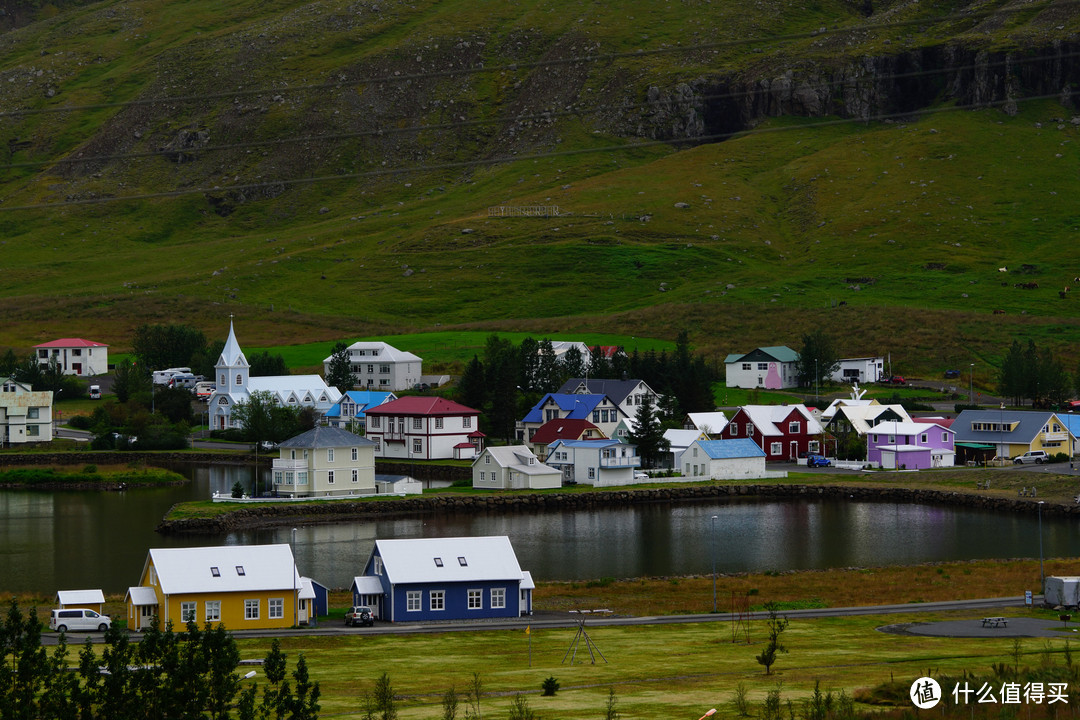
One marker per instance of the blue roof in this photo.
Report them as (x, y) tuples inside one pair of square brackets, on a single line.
[(577, 407), (728, 449), (1071, 421), (363, 399)]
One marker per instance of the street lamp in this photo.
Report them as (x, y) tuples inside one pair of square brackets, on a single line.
[(971, 385), (713, 522), (1042, 576)]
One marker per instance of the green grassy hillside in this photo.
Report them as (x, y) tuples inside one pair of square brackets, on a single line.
[(324, 170)]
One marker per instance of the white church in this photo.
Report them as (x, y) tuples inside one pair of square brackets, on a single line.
[(235, 385)]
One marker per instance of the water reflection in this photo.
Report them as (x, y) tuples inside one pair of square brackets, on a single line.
[(56, 540)]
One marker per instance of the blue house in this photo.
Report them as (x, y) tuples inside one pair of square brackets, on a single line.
[(353, 405), (599, 409), (458, 578)]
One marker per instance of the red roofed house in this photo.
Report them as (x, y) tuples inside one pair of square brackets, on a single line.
[(562, 429), (75, 356), (422, 427)]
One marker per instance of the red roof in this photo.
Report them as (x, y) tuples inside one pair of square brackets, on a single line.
[(421, 405), (71, 342), (943, 422), (560, 429)]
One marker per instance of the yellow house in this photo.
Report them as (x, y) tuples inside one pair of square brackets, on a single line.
[(245, 587)]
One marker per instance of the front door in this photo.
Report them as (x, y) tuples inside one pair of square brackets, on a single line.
[(794, 450)]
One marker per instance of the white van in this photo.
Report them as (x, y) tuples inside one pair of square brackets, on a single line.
[(162, 377), (184, 380), (204, 389), (78, 619)]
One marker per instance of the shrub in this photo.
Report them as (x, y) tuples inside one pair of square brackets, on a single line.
[(550, 686), (90, 469), (80, 422), (238, 490)]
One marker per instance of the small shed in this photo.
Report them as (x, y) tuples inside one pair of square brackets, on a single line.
[(1062, 590), (87, 599), (321, 603)]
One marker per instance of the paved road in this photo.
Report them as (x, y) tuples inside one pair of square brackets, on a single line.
[(597, 618)]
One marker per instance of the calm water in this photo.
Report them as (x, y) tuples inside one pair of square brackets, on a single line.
[(68, 540)]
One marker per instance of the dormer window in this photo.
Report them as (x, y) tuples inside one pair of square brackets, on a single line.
[(215, 572), (240, 570), (461, 561), (438, 562)]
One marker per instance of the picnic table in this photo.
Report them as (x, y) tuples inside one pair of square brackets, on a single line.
[(995, 622)]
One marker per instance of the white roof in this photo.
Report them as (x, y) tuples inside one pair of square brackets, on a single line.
[(904, 448), (516, 457), (189, 570), (682, 439), (828, 412), (307, 590), (308, 389), (714, 421), (140, 595), (385, 352), (764, 417), (367, 585), (891, 427), (527, 581), (417, 560), (79, 597), (862, 417)]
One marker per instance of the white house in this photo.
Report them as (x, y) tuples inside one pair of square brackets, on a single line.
[(627, 395), (600, 463), (424, 427), (75, 356), (25, 414), (863, 370), (740, 459), (378, 366), (325, 461), (771, 368), (678, 442), (513, 467), (235, 385)]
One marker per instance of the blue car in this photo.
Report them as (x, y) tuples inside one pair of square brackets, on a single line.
[(813, 460)]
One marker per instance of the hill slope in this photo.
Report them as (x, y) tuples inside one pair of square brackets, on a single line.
[(743, 170)]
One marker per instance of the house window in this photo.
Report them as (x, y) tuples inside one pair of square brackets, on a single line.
[(945, 438), (277, 477), (355, 454), (498, 598), (437, 599), (892, 439), (330, 477), (466, 422), (222, 381), (776, 448), (763, 366), (301, 478), (746, 366), (215, 572), (377, 565), (749, 429), (813, 446), (734, 429), (794, 427), (213, 611), (187, 611), (481, 476), (277, 608), (378, 444), (376, 422), (476, 599), (370, 369), (875, 437), (596, 416), (417, 423), (923, 438), (32, 413), (251, 609), (384, 382), (412, 600), (417, 446), (32, 430), (438, 423), (239, 379), (329, 454), (355, 475), (592, 473)]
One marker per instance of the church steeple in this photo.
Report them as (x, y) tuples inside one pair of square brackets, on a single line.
[(232, 366)]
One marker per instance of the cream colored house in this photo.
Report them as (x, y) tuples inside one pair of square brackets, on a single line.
[(513, 467), (25, 414), (325, 461)]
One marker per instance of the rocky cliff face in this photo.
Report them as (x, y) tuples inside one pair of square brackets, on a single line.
[(865, 89)]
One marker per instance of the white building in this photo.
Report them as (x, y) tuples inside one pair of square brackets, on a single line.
[(771, 368), (424, 427), (25, 414), (513, 467), (75, 356), (378, 366), (235, 385), (862, 370), (725, 460), (600, 463)]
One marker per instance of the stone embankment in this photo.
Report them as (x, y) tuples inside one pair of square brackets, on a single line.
[(122, 458), (349, 511)]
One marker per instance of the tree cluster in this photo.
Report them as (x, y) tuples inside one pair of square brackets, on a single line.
[(509, 379), (166, 675), (818, 359), (49, 377), (1034, 374), (262, 417)]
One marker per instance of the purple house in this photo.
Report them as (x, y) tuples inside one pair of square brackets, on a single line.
[(910, 445)]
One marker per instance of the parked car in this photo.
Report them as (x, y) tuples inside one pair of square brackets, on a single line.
[(267, 445), (896, 380), (95, 392), (640, 475), (359, 615), (814, 460), (952, 373), (1031, 456), (78, 619)]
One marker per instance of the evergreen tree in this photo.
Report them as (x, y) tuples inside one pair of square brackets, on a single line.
[(263, 364), (164, 346), (648, 434), (549, 372), (501, 374), (573, 364), (529, 364), (472, 387), (818, 359), (339, 374), (1011, 382)]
